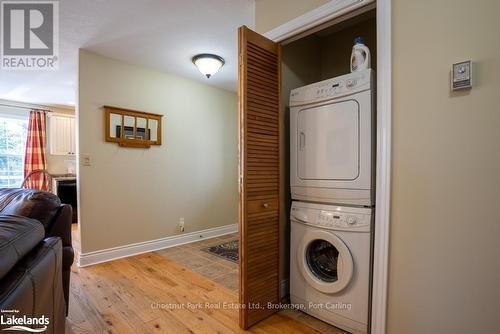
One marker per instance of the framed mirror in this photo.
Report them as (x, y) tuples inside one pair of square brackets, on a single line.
[(115, 123), (142, 125), (153, 129), (132, 128)]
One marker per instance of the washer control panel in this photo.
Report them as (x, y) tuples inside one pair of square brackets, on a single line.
[(332, 88), (338, 218)]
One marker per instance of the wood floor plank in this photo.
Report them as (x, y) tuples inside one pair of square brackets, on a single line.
[(209, 292), (119, 297)]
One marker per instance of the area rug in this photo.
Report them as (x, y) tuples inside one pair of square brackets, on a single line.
[(227, 250)]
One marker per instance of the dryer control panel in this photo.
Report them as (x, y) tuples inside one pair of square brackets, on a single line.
[(332, 88)]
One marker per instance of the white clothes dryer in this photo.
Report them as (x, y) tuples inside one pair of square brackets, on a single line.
[(332, 145)]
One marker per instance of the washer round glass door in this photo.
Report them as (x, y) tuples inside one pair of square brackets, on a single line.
[(325, 261)]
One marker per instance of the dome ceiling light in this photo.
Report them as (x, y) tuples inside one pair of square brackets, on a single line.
[(208, 64)]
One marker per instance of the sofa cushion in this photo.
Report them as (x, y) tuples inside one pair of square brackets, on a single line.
[(18, 236), (34, 287), (36, 204)]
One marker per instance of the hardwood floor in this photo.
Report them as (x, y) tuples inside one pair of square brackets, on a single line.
[(215, 268), (152, 294)]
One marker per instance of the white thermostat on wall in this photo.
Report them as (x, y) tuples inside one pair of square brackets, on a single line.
[(461, 75)]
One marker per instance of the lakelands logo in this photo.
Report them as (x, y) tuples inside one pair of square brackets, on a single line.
[(10, 320), (30, 35)]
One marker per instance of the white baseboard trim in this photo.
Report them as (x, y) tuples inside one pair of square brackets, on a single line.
[(105, 255), (285, 291)]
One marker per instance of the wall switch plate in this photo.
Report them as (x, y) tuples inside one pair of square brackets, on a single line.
[(461, 75), (86, 160)]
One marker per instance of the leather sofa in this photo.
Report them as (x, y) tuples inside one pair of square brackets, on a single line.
[(30, 277), (55, 218)]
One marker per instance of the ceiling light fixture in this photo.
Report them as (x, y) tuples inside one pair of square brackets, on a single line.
[(208, 64)]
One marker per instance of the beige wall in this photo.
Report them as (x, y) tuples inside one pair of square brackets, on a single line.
[(445, 226), (445, 223), (270, 14), (132, 195)]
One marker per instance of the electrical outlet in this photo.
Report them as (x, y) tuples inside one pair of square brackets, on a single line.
[(181, 224)]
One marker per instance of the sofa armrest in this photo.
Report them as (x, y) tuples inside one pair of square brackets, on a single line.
[(31, 203), (61, 227)]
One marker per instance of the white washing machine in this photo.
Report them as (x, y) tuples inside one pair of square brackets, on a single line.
[(332, 153), (330, 263)]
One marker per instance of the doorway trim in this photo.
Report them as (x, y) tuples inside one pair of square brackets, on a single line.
[(309, 21), (314, 18)]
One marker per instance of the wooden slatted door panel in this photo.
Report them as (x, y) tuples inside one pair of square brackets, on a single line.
[(259, 131)]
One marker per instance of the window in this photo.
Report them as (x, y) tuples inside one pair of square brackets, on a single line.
[(13, 133)]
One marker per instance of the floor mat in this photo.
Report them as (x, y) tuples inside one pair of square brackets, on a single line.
[(227, 250)]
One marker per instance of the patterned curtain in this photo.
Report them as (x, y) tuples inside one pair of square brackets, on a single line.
[(35, 158)]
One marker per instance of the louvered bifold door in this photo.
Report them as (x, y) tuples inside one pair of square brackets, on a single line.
[(259, 131)]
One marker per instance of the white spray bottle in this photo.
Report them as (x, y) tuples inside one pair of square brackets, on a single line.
[(360, 56)]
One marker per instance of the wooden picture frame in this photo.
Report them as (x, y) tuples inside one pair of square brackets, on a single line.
[(132, 135)]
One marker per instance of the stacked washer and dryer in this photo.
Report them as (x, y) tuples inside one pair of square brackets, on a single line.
[(332, 128)]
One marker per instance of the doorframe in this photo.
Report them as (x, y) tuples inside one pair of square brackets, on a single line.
[(309, 21)]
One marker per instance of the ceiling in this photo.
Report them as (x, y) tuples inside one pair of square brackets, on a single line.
[(160, 34)]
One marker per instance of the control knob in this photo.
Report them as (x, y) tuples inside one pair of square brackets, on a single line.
[(352, 221), (350, 83)]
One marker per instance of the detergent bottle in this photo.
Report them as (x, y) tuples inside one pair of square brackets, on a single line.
[(360, 56)]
